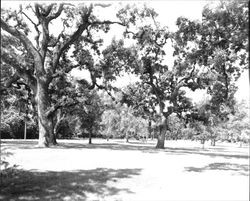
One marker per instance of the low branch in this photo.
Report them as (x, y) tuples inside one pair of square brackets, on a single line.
[(57, 106)]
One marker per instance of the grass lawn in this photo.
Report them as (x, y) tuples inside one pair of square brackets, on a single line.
[(119, 171)]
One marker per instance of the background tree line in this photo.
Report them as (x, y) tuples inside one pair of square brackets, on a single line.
[(39, 94)]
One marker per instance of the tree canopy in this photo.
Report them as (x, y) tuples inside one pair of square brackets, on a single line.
[(37, 61)]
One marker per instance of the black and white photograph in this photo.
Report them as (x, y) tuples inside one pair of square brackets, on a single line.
[(125, 100)]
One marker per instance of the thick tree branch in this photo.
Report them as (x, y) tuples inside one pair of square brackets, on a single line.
[(61, 48), (20, 70), (37, 11), (23, 38), (57, 106), (48, 9), (57, 13), (102, 5)]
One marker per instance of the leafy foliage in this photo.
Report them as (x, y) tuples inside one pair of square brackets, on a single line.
[(220, 46), (120, 122)]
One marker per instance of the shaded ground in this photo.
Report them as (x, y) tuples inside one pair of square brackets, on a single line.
[(71, 185), (116, 170)]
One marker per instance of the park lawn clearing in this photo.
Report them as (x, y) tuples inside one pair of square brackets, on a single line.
[(117, 171)]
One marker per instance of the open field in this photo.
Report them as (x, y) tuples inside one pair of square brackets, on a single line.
[(119, 171)]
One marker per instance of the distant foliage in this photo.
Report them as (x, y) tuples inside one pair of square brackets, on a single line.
[(237, 128), (12, 126), (176, 126), (121, 123)]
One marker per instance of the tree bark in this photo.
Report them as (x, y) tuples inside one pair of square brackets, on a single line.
[(56, 120), (162, 132), (52, 139), (161, 138), (25, 129), (45, 124)]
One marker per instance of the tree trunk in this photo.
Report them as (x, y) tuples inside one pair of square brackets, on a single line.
[(163, 126), (45, 124), (203, 143), (212, 142), (25, 130), (90, 137), (56, 120), (127, 137), (52, 137), (161, 138), (162, 132), (150, 129)]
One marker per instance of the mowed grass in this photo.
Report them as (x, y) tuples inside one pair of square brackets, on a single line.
[(119, 171)]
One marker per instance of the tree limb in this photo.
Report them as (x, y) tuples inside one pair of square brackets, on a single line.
[(23, 38), (188, 77), (102, 5), (108, 92), (57, 106), (20, 71), (36, 28), (60, 49), (106, 22), (57, 13)]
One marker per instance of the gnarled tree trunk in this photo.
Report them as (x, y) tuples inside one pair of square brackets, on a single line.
[(45, 124)]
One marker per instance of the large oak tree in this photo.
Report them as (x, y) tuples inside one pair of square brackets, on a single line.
[(37, 55)]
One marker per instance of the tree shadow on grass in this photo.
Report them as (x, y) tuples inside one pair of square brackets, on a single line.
[(19, 144), (140, 146), (151, 149), (70, 185), (236, 169), (207, 152)]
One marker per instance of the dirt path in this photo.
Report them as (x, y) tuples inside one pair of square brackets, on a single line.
[(119, 171)]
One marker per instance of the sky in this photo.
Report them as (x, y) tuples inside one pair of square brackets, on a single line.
[(168, 11)]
